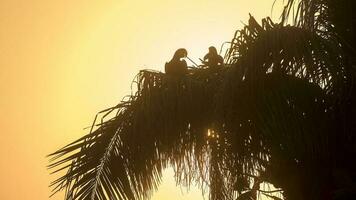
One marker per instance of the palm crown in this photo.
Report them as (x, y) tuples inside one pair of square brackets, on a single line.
[(284, 106)]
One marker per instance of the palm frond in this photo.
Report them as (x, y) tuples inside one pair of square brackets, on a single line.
[(230, 129)]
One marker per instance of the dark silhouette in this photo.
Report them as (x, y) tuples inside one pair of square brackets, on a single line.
[(212, 58), (282, 111), (177, 66)]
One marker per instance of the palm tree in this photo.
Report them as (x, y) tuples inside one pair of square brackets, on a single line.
[(282, 112)]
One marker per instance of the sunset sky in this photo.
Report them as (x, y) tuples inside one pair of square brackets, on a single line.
[(62, 61)]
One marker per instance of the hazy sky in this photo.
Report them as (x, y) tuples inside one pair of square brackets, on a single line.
[(63, 60)]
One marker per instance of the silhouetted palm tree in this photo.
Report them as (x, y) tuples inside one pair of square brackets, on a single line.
[(282, 112)]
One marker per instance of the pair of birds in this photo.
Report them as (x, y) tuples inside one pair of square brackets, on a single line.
[(178, 66)]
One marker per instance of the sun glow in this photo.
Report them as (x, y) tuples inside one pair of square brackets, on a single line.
[(62, 61)]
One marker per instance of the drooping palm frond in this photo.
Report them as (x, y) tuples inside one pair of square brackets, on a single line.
[(282, 94), (294, 91), (160, 125), (266, 116), (338, 23), (333, 19)]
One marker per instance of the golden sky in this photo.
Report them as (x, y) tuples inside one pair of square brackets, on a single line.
[(63, 60)]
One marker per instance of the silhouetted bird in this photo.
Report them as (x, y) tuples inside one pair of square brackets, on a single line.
[(177, 66), (212, 58)]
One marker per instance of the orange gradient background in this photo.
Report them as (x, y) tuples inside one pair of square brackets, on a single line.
[(62, 61)]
